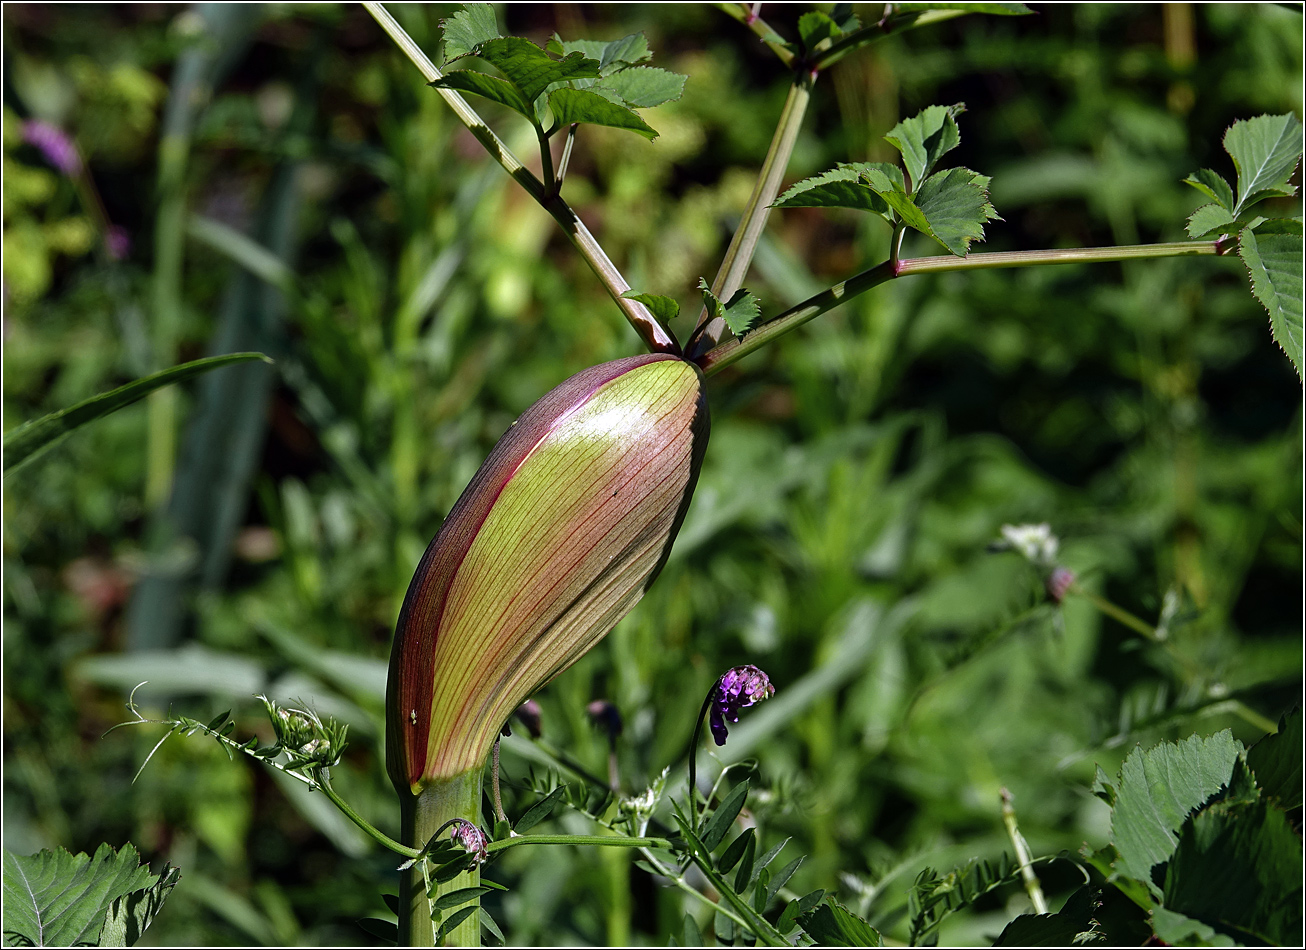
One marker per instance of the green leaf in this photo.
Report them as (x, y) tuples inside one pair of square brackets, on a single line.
[(1073, 925), (585, 105), (1265, 151), (955, 204), (1208, 218), (1273, 255), (1213, 186), (1276, 762), (843, 187), (479, 84), (130, 915), (54, 898), (771, 855), (29, 440), (531, 69), (782, 878), (467, 29), (540, 810), (458, 897), (386, 930), (488, 923), (693, 937), (745, 873), (665, 309), (736, 851), (626, 51), (925, 138), (1176, 930), (724, 816), (456, 918), (816, 27), (740, 312), (1238, 868), (643, 87), (1157, 789), (833, 925)]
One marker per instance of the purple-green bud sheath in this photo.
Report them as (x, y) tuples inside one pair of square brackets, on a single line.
[(555, 540)]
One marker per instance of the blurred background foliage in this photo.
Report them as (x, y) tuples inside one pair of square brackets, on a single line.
[(256, 532)]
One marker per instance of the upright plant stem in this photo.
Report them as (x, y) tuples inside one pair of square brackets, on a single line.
[(656, 337), (721, 356), (1032, 886), (422, 816), (743, 245)]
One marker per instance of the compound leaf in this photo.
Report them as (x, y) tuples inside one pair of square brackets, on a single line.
[(467, 29), (1157, 789), (54, 898), (1265, 151), (925, 138), (1273, 255)]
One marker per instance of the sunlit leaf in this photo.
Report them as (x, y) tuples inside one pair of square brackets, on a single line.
[(644, 86), (925, 138), (588, 105), (1213, 186), (955, 204), (1208, 218), (1265, 151), (467, 29), (479, 84), (531, 69), (740, 312), (665, 309), (1273, 255)]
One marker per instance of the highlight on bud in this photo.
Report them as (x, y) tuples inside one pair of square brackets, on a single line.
[(555, 539)]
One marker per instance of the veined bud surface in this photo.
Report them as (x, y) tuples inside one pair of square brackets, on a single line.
[(555, 539)]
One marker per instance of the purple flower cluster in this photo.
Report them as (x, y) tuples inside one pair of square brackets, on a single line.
[(471, 838), (737, 689), (55, 145)]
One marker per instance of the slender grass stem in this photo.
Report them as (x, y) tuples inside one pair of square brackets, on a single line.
[(1118, 613), (724, 354), (739, 255), (1027, 875), (656, 337)]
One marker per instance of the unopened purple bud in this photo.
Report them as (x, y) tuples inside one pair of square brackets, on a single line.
[(605, 716), (737, 689), (1058, 582), (55, 145), (528, 713), (469, 838), (117, 242)]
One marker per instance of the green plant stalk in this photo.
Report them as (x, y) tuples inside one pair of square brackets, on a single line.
[(1027, 875), (723, 355), (678, 879), (422, 815), (693, 763), (743, 245), (743, 12), (656, 337)]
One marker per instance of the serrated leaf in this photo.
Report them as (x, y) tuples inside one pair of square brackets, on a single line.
[(587, 105), (490, 87), (665, 309), (643, 87), (630, 49), (540, 810), (925, 138), (531, 69), (128, 917), (740, 313), (1073, 925), (842, 187), (1213, 186), (955, 205), (54, 898), (1239, 869), (31, 439), (1208, 218), (833, 925), (1265, 150), (467, 29), (724, 816), (1273, 255), (1276, 762), (1156, 790)]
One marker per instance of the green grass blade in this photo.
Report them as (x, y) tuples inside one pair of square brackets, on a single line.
[(30, 439)]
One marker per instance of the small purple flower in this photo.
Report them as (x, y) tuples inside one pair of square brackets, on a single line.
[(738, 689), (471, 838), (117, 242), (55, 145), (1058, 582)]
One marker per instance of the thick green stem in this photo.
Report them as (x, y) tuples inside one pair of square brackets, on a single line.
[(656, 337), (730, 276), (423, 814), (721, 356)]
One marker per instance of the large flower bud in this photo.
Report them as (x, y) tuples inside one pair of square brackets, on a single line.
[(555, 540)]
